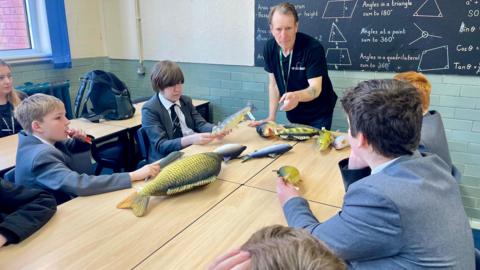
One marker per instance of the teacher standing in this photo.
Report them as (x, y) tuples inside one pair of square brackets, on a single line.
[(297, 71)]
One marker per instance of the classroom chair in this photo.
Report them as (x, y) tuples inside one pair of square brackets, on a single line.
[(111, 154), (10, 175), (143, 145)]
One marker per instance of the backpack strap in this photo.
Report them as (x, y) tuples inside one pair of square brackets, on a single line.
[(80, 94)]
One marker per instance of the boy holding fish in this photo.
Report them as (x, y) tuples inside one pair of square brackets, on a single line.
[(400, 205), (45, 149), (169, 117)]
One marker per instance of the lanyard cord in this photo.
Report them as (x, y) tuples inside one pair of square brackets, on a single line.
[(8, 127), (285, 82), (12, 121)]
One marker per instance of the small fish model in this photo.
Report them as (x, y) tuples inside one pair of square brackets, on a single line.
[(267, 129), (325, 139), (289, 174), (269, 151), (233, 120), (340, 142), (182, 175), (230, 150), (296, 132)]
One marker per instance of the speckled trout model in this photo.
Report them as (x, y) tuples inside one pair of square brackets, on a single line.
[(233, 120), (291, 132), (296, 132), (182, 175)]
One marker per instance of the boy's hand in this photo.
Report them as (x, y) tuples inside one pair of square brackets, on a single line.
[(198, 138), (234, 259), (222, 134), (147, 171), (76, 133), (285, 191), (3, 240)]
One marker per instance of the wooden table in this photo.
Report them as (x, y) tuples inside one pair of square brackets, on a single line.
[(185, 231), (235, 170), (97, 130), (90, 233), (8, 151), (321, 178), (229, 224)]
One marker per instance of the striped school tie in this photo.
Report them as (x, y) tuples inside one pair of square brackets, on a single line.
[(177, 129)]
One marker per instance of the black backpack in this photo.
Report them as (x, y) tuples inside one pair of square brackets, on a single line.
[(107, 97)]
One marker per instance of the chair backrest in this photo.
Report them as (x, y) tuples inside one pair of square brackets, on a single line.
[(143, 143), (10, 176)]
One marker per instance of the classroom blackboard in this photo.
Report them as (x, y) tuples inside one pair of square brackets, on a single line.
[(430, 36)]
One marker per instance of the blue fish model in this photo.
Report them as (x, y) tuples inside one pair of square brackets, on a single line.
[(269, 151)]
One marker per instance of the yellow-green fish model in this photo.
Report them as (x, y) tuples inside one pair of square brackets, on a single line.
[(233, 120), (289, 174), (182, 175), (325, 139)]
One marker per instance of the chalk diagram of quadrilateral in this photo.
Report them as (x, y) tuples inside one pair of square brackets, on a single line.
[(434, 59), (336, 9), (423, 34), (429, 8)]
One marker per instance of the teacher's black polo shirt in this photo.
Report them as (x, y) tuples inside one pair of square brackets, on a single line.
[(308, 62)]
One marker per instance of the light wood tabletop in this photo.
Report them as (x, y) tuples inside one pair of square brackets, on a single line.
[(91, 233), (8, 151), (321, 178), (97, 130), (235, 170), (199, 102), (229, 224)]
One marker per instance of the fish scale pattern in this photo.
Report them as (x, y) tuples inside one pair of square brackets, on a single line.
[(184, 174)]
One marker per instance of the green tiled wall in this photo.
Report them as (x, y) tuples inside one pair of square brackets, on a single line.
[(229, 88)]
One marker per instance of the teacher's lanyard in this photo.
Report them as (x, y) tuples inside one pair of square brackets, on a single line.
[(8, 128), (281, 68)]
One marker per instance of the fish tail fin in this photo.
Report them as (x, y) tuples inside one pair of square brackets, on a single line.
[(138, 203), (251, 105), (245, 158)]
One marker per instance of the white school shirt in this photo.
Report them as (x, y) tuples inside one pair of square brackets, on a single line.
[(181, 117)]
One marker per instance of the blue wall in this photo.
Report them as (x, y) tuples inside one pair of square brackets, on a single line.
[(229, 88)]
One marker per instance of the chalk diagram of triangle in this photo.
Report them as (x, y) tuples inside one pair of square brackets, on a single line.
[(429, 8), (336, 35)]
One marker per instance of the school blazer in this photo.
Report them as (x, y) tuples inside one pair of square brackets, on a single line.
[(158, 126), (433, 140), (408, 216), (43, 166)]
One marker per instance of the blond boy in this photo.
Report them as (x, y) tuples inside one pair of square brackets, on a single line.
[(44, 155)]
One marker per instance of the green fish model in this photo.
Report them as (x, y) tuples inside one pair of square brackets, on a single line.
[(182, 175)]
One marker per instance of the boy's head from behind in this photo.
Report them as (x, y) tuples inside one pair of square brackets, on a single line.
[(420, 82), (280, 247), (388, 114), (43, 114)]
